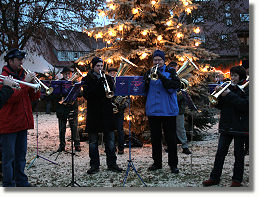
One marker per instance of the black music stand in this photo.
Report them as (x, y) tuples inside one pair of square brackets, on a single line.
[(73, 183), (130, 163), (37, 137), (71, 97)]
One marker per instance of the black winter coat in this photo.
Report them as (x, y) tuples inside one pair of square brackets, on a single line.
[(100, 116), (5, 93), (234, 114)]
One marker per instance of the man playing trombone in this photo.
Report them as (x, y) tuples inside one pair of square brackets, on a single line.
[(98, 91), (15, 119)]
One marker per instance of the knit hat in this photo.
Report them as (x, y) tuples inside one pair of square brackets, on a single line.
[(160, 54), (95, 60), (14, 53)]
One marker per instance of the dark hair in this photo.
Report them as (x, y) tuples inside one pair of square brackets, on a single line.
[(240, 71)]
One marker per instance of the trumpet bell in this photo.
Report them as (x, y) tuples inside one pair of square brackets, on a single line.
[(213, 100), (109, 94), (184, 84), (49, 90), (154, 76)]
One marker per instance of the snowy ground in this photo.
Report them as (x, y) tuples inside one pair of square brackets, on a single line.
[(193, 169)]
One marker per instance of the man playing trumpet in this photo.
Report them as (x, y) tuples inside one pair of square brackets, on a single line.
[(162, 109), (233, 103), (15, 119), (97, 91), (67, 112)]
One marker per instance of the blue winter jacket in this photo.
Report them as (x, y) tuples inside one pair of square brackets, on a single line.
[(161, 95)]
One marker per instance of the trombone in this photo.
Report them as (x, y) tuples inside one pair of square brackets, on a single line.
[(49, 90), (109, 93), (213, 98), (34, 86)]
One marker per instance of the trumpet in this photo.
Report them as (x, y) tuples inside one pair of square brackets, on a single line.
[(213, 98), (109, 93), (34, 86), (153, 73), (49, 90)]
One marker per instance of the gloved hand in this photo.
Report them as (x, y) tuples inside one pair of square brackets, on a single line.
[(160, 75)]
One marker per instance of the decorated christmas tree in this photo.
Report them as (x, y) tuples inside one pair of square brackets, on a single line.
[(137, 28)]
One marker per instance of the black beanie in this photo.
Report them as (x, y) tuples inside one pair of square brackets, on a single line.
[(95, 60), (160, 54)]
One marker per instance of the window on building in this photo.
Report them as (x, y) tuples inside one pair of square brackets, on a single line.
[(227, 7), (200, 38), (224, 37), (229, 22), (199, 19), (228, 15), (244, 17)]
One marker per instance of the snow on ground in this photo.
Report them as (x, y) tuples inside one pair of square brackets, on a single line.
[(193, 168)]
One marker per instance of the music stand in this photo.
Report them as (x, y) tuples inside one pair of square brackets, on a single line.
[(73, 182), (71, 97), (37, 137), (130, 163)]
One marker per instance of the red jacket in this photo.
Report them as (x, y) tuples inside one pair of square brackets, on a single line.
[(16, 115)]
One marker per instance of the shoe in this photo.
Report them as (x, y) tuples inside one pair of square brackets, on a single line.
[(78, 148), (60, 149), (235, 184), (187, 151), (175, 170), (120, 152), (209, 182), (115, 168), (154, 167), (93, 170)]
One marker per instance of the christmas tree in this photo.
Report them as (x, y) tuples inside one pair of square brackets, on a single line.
[(137, 28)]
